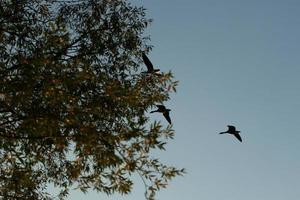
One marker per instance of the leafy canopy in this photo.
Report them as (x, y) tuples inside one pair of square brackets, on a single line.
[(73, 100)]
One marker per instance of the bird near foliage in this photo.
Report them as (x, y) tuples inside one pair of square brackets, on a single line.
[(149, 65), (232, 130), (162, 109)]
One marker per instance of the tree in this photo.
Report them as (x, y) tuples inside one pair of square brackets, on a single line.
[(73, 100)]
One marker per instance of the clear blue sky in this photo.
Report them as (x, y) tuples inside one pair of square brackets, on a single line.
[(238, 62)]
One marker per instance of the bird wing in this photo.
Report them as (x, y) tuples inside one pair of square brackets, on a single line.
[(231, 128), (238, 137), (162, 107), (147, 62), (167, 116)]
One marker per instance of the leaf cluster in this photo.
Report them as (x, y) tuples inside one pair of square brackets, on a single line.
[(73, 103)]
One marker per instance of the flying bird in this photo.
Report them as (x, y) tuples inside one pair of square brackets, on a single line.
[(232, 130), (149, 65), (162, 109)]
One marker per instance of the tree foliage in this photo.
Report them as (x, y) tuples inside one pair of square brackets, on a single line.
[(73, 100)]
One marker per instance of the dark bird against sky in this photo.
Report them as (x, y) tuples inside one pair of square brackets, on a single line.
[(162, 109), (232, 130), (149, 65)]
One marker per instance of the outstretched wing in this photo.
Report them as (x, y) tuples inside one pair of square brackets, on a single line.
[(161, 107), (147, 63), (238, 137), (167, 116), (231, 129)]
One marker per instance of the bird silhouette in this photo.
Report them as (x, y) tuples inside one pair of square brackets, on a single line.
[(232, 130), (162, 109), (149, 65)]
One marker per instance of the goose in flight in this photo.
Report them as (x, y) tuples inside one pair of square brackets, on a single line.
[(232, 130), (149, 65), (162, 109)]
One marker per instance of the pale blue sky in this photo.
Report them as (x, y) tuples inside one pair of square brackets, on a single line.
[(238, 62)]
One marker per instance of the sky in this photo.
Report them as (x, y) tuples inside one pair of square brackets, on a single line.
[(238, 63)]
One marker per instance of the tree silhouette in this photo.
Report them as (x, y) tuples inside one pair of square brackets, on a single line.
[(73, 100)]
